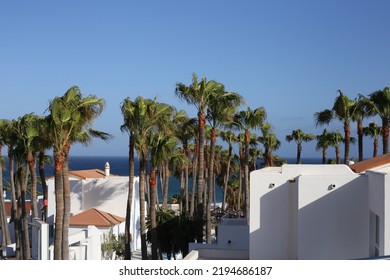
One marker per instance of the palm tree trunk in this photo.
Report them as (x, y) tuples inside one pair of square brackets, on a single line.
[(6, 237), (43, 182), (337, 155), (210, 186), (26, 238), (182, 189), (385, 136), (59, 197), (376, 145), (227, 178), (347, 139), (166, 184), (142, 183), (323, 156), (202, 121), (360, 139), (14, 205), (32, 167), (186, 178), (299, 151), (246, 175), (128, 236), (240, 178), (18, 217), (66, 190), (194, 176), (152, 211)]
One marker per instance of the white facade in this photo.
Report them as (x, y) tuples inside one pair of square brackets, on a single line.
[(232, 242), (313, 212), (108, 194)]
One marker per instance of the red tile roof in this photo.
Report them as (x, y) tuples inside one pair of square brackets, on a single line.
[(90, 173), (95, 217), (7, 205), (370, 163)]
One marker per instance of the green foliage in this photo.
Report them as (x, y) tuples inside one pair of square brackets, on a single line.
[(112, 244), (174, 232)]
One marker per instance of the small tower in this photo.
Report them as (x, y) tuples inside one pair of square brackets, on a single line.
[(107, 169)]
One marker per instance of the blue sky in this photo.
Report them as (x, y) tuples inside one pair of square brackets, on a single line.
[(289, 56)]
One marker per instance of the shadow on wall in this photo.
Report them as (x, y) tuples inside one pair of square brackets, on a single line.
[(332, 226), (106, 193)]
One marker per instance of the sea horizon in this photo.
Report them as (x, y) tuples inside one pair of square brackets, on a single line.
[(119, 165)]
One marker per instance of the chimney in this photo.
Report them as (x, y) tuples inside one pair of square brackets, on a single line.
[(107, 169)]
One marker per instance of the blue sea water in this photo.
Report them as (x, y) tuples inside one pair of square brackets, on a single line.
[(120, 166)]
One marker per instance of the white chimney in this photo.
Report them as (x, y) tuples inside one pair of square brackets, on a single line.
[(107, 169)]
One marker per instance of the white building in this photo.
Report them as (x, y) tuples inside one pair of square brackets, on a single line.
[(321, 211), (103, 192)]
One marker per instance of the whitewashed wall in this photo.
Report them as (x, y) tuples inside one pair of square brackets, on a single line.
[(332, 220), (106, 194), (296, 214), (379, 204)]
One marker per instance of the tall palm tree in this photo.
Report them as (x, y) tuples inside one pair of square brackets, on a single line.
[(336, 140), (342, 110), (42, 144), (148, 113), (375, 132), (71, 116), (198, 94), (28, 135), (379, 104), (298, 136), (161, 148), (359, 112), (324, 141), (220, 112), (10, 138), (270, 142), (185, 131), (228, 137), (129, 110), (245, 121), (6, 237)]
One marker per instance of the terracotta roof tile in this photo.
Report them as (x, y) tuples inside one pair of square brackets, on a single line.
[(7, 205), (89, 173), (370, 163), (95, 217)]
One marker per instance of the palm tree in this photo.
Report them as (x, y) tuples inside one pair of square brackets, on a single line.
[(270, 142), (374, 131), (247, 120), (161, 148), (42, 144), (359, 112), (71, 116), (324, 141), (198, 94), (379, 104), (10, 138), (228, 137), (298, 136), (129, 111), (185, 131), (221, 109), (336, 140), (29, 136), (342, 110), (147, 114), (6, 237)]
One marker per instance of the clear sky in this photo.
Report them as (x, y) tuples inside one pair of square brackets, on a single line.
[(289, 56)]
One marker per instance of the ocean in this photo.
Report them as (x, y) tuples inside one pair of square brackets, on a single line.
[(120, 166)]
